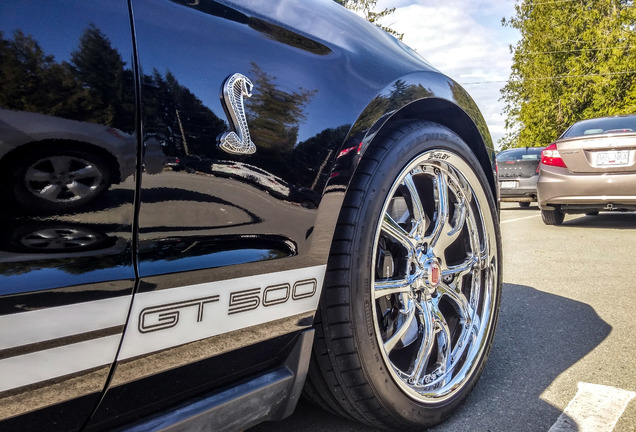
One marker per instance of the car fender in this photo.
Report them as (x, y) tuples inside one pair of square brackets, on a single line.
[(425, 95)]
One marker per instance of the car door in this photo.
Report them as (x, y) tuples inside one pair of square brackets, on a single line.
[(68, 152), (232, 244)]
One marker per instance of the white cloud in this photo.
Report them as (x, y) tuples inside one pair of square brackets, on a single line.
[(465, 40)]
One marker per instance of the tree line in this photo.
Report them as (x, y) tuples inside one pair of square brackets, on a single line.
[(576, 59)]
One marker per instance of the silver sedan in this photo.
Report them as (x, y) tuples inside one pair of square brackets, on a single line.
[(590, 168)]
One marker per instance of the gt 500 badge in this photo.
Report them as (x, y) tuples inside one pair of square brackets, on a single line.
[(166, 316), (180, 315)]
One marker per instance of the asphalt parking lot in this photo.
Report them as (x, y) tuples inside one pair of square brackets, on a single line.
[(565, 349)]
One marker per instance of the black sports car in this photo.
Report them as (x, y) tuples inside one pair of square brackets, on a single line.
[(518, 171), (339, 238)]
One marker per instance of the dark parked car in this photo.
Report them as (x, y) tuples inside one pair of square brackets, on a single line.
[(590, 168), (343, 242), (518, 171)]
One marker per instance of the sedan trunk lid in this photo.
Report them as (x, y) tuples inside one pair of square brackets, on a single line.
[(607, 153)]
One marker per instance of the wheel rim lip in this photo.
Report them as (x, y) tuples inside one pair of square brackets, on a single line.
[(30, 179), (462, 375)]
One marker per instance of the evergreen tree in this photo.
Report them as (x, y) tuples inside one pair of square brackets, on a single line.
[(94, 87), (31, 80), (274, 114), (576, 59), (367, 7), (100, 70)]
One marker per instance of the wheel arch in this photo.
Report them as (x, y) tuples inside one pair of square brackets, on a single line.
[(452, 116), (425, 96)]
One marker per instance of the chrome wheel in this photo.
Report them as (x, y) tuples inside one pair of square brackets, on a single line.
[(59, 239), (434, 279), (410, 301), (63, 179)]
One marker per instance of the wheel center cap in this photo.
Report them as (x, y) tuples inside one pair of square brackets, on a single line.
[(433, 273)]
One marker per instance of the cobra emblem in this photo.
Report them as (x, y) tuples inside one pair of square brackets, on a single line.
[(238, 141)]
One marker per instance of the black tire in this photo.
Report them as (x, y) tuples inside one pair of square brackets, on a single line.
[(552, 217), (58, 179), (524, 204), (454, 283)]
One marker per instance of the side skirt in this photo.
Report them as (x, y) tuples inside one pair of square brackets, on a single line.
[(269, 396)]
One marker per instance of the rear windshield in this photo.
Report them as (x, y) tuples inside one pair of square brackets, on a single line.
[(602, 126), (529, 153)]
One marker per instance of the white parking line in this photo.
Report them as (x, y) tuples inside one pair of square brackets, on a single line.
[(518, 219), (595, 408)]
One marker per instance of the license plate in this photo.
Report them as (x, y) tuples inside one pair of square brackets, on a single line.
[(612, 158), (508, 184)]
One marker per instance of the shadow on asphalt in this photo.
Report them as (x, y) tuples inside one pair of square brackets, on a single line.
[(608, 219), (509, 206), (539, 336), (611, 220)]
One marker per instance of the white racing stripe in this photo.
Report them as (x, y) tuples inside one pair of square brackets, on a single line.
[(519, 219), (595, 408), (43, 365), (46, 324)]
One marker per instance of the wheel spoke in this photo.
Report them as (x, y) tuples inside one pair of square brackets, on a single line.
[(426, 346), (89, 171), (468, 319), (475, 292), (394, 230), (391, 287), (456, 227), (460, 300), (457, 271), (466, 340), (443, 346), (38, 238), (442, 213), (401, 332), (50, 192), (419, 217), (79, 190), (46, 233), (36, 175), (61, 164), (476, 247)]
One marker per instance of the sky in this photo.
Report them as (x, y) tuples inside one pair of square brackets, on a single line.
[(465, 40)]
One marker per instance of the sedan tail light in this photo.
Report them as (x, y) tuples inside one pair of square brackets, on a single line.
[(550, 156)]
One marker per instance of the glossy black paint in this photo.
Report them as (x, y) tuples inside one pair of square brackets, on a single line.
[(307, 109), (174, 209), (54, 100), (67, 96), (124, 404), (226, 195)]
